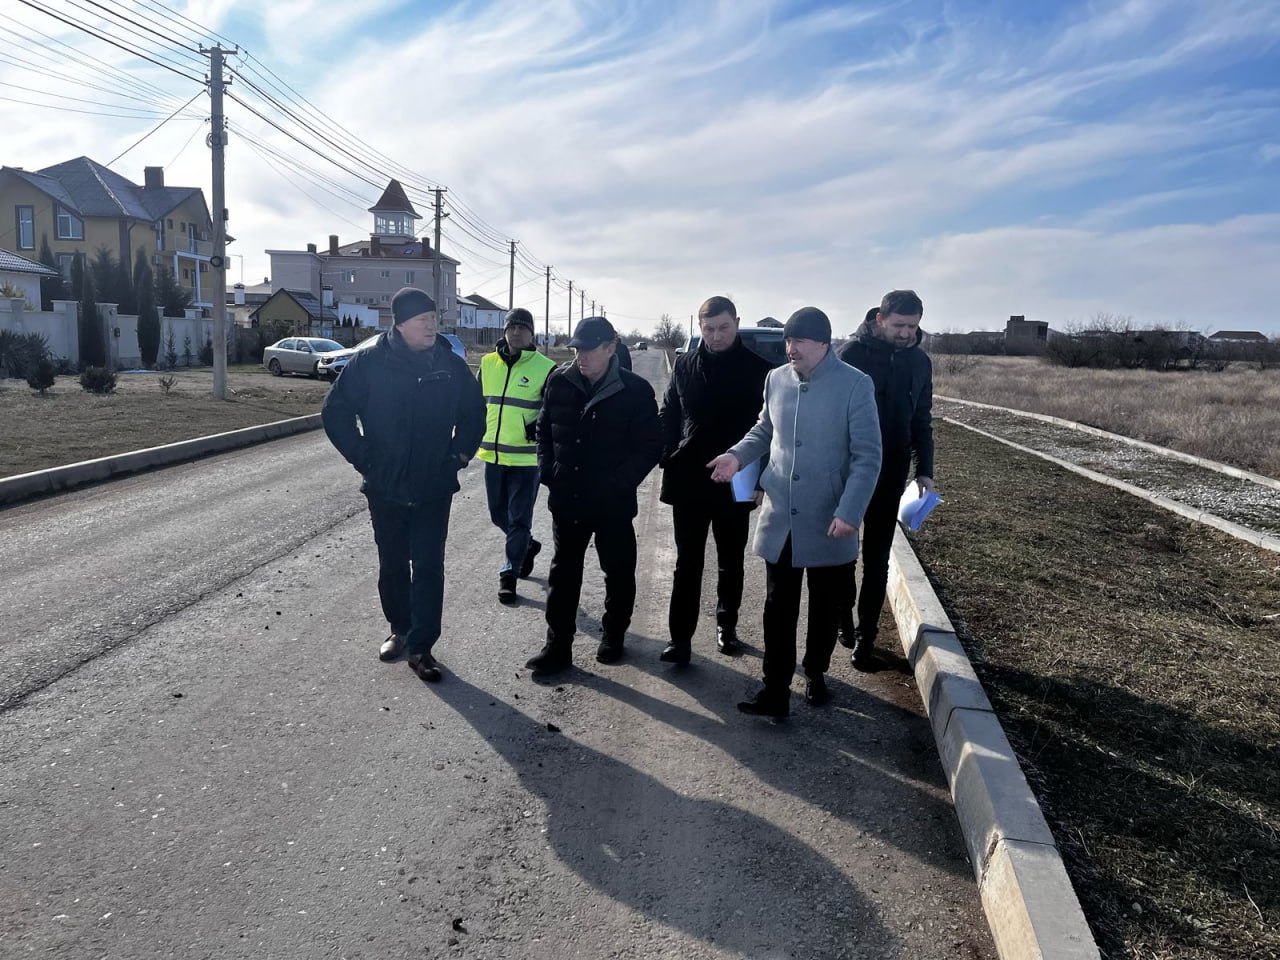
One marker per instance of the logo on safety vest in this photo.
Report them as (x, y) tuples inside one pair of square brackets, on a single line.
[(524, 381)]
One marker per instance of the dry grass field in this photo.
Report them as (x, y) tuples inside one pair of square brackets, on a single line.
[(69, 425), (1232, 416), (1133, 658)]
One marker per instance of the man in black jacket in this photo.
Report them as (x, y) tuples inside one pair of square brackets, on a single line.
[(887, 348), (713, 399), (408, 415), (598, 437)]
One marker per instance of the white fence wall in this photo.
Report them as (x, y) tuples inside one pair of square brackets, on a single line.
[(60, 329)]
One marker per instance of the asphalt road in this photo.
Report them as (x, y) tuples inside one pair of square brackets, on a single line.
[(201, 756)]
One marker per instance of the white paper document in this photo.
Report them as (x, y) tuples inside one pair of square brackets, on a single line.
[(744, 482), (913, 508)]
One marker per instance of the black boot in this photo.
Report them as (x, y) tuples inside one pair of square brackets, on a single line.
[(864, 653), (425, 666), (676, 653), (727, 641), (552, 658), (610, 649), (767, 703), (507, 589), (847, 633), (815, 691)]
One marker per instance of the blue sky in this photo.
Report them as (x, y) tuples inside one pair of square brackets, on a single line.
[(1052, 160)]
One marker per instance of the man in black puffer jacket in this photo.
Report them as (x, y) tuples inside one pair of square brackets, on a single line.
[(598, 438), (713, 399), (887, 349), (421, 417)]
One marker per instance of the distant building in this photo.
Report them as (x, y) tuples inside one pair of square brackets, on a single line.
[(302, 313), (1238, 336), (24, 275), (485, 314), (369, 272), (81, 206)]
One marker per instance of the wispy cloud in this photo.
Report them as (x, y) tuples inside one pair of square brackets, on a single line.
[(784, 152)]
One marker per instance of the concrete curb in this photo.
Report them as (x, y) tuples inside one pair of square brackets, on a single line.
[(55, 479), (1266, 541), (1226, 468), (1030, 904)]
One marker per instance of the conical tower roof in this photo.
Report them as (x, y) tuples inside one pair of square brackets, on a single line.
[(393, 199)]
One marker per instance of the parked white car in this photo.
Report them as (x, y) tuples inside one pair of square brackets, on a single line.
[(339, 363), (313, 356)]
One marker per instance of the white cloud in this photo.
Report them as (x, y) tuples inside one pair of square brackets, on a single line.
[(659, 157)]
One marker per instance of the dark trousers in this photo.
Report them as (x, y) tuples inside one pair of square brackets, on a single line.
[(511, 493), (616, 547), (411, 567), (827, 586), (728, 523), (878, 526)]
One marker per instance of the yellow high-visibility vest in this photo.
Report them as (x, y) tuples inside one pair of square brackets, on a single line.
[(513, 398)]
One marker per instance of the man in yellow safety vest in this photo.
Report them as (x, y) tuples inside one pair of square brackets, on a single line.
[(512, 378)]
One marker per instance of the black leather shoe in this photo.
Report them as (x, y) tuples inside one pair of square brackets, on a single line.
[(552, 658), (507, 589), (767, 704), (816, 692), (425, 666), (676, 653), (864, 656), (526, 568), (727, 641), (847, 633), (610, 650)]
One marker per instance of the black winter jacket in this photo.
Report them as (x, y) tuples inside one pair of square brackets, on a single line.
[(420, 414), (713, 399), (904, 397), (595, 447)]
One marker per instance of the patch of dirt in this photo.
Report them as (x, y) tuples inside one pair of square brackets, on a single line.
[(1133, 658), (69, 424)]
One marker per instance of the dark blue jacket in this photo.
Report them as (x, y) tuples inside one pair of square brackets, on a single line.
[(420, 419)]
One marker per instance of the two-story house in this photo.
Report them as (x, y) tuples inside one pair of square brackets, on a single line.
[(81, 206), (369, 272)]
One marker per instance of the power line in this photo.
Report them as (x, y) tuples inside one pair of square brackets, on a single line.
[(154, 129)]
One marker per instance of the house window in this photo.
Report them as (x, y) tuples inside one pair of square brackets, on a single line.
[(386, 297), (159, 226), (170, 223), (70, 227), (64, 264), (26, 228), (386, 274), (408, 276), (186, 274)]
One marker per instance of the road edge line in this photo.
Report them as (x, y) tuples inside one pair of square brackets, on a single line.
[(1030, 904), (24, 486)]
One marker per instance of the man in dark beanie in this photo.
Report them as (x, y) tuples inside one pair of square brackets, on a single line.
[(713, 398), (818, 427), (512, 379), (598, 438), (887, 349), (408, 415)]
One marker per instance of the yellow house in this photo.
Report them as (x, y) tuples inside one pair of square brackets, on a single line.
[(81, 206)]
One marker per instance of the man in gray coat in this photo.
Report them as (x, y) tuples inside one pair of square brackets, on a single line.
[(820, 429)]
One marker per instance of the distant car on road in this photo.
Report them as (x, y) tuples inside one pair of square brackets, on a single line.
[(766, 341), (313, 356), (642, 345), (340, 363)]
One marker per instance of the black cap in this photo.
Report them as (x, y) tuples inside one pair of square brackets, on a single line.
[(408, 303), (808, 323), (521, 317), (592, 332)]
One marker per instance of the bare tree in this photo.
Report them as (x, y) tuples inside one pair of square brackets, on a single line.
[(668, 333)]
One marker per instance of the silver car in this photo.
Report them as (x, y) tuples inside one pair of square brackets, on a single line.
[(312, 356), (335, 365)]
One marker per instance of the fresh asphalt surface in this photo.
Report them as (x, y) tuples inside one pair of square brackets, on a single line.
[(201, 756)]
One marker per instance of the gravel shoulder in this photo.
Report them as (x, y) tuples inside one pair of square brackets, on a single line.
[(1240, 501)]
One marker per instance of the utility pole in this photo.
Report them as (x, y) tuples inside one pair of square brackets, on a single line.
[(593, 307), (435, 257), (582, 303), (602, 313), (546, 324), (217, 140), (511, 280), (570, 309)]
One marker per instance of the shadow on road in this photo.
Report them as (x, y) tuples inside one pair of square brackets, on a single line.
[(707, 868)]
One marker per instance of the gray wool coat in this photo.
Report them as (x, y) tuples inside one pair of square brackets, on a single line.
[(823, 439)]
